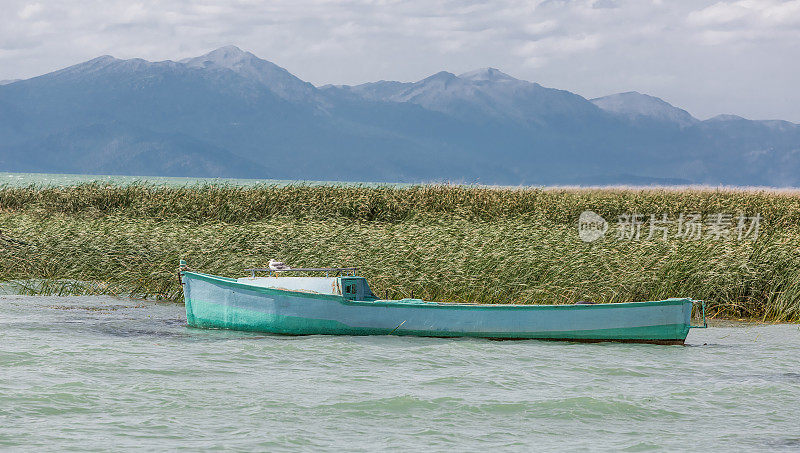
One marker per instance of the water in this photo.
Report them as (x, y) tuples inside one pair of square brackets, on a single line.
[(62, 180), (92, 373)]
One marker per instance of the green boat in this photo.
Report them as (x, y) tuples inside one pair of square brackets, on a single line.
[(341, 303)]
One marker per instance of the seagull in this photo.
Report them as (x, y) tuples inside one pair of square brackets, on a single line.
[(276, 265)]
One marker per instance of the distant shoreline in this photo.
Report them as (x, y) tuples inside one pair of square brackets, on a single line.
[(14, 179)]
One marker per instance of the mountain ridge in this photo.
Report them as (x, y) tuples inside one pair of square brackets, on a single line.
[(634, 104), (230, 113)]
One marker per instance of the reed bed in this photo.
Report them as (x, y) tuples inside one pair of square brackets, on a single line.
[(448, 243), (235, 204)]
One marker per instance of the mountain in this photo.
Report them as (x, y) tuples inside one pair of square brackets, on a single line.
[(636, 106), (247, 65), (116, 149), (7, 81), (481, 95), (231, 114)]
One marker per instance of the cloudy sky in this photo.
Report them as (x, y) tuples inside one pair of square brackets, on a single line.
[(709, 57)]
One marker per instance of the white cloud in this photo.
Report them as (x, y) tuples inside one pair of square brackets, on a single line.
[(787, 13), (538, 52), (719, 13), (746, 22), (748, 15), (540, 28), (30, 10)]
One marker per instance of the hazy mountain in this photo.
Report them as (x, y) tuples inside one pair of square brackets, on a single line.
[(481, 95), (121, 149), (7, 81), (247, 65), (636, 106), (230, 113)]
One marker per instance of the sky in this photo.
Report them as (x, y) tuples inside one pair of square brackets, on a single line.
[(709, 57)]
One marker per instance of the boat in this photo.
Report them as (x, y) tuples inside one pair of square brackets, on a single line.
[(341, 303)]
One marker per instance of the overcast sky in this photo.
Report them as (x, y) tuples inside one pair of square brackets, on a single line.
[(709, 57)]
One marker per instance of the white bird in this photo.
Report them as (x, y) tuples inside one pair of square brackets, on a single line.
[(276, 265)]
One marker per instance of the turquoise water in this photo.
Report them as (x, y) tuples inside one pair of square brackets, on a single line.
[(60, 180), (99, 373)]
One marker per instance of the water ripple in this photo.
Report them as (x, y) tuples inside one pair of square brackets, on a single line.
[(94, 373)]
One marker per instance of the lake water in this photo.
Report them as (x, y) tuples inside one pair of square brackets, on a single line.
[(95, 373), (61, 180)]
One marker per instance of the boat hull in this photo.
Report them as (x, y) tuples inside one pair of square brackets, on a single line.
[(218, 302)]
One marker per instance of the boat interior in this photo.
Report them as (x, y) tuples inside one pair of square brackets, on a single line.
[(350, 286)]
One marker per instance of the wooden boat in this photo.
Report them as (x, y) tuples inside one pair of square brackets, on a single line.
[(341, 303)]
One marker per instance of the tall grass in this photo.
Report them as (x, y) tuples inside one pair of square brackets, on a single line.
[(447, 243), (234, 204)]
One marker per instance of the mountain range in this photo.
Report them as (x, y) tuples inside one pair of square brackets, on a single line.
[(231, 114)]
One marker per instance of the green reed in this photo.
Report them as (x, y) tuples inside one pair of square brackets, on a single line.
[(449, 243)]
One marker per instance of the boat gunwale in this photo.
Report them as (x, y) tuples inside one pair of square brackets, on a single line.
[(232, 282)]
